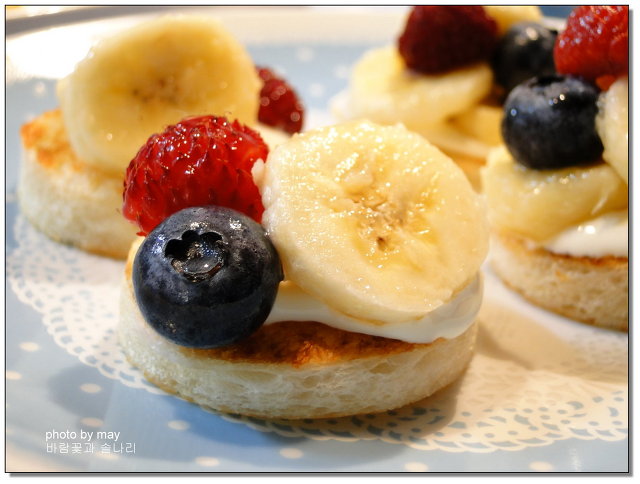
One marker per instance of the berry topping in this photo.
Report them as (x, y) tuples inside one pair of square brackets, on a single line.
[(550, 123), (280, 106), (524, 51), (595, 43), (204, 160), (440, 38), (206, 277)]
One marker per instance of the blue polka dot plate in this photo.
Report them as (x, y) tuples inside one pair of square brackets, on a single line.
[(542, 393)]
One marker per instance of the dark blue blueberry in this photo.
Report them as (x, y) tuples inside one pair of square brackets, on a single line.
[(206, 277), (549, 123), (524, 51)]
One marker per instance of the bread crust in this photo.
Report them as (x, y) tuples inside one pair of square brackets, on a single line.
[(68, 200), (294, 369), (587, 289)]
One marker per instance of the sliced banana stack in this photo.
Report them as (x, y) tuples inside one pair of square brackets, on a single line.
[(520, 200), (134, 84), (384, 90), (446, 109), (372, 220)]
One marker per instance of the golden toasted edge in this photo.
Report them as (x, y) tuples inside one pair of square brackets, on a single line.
[(68, 200)]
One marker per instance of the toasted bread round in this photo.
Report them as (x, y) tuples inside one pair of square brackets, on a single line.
[(73, 202), (293, 369), (68, 200), (587, 289)]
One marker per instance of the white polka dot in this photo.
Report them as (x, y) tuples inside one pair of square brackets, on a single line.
[(281, 71), (29, 346), (91, 422), (341, 71), (207, 461), (416, 467), (178, 425), (541, 466), (291, 453), (90, 388), (40, 89), (316, 90), (12, 375), (304, 54)]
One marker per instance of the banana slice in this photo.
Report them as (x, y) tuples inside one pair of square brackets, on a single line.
[(134, 84), (481, 122), (472, 133), (539, 204), (507, 15), (612, 124), (383, 90), (374, 221)]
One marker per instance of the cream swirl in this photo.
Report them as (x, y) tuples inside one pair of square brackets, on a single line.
[(605, 235), (447, 321)]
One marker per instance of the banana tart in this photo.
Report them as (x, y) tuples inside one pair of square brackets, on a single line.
[(557, 192), (354, 289), (440, 78), (130, 86)]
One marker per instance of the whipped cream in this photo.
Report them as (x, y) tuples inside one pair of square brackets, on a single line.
[(605, 235), (447, 321)]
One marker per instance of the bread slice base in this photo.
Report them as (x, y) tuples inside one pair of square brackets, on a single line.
[(587, 289), (66, 199), (295, 369)]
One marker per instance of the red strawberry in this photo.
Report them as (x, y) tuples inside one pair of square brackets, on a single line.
[(203, 160), (595, 43), (440, 38), (280, 106)]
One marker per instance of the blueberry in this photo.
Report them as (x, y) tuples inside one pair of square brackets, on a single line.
[(206, 277), (549, 122), (523, 52)]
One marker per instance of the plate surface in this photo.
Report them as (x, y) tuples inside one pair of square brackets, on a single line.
[(542, 394)]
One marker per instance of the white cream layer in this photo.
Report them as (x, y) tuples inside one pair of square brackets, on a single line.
[(447, 321), (605, 235)]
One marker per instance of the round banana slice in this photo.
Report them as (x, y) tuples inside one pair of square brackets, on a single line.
[(539, 204), (372, 220), (383, 90), (481, 122), (612, 124), (134, 84)]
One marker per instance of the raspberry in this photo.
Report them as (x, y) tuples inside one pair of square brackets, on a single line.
[(595, 43), (203, 160), (439, 38), (280, 106)]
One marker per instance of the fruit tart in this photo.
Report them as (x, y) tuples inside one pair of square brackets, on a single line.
[(557, 192), (343, 280), (447, 75), (130, 86)]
